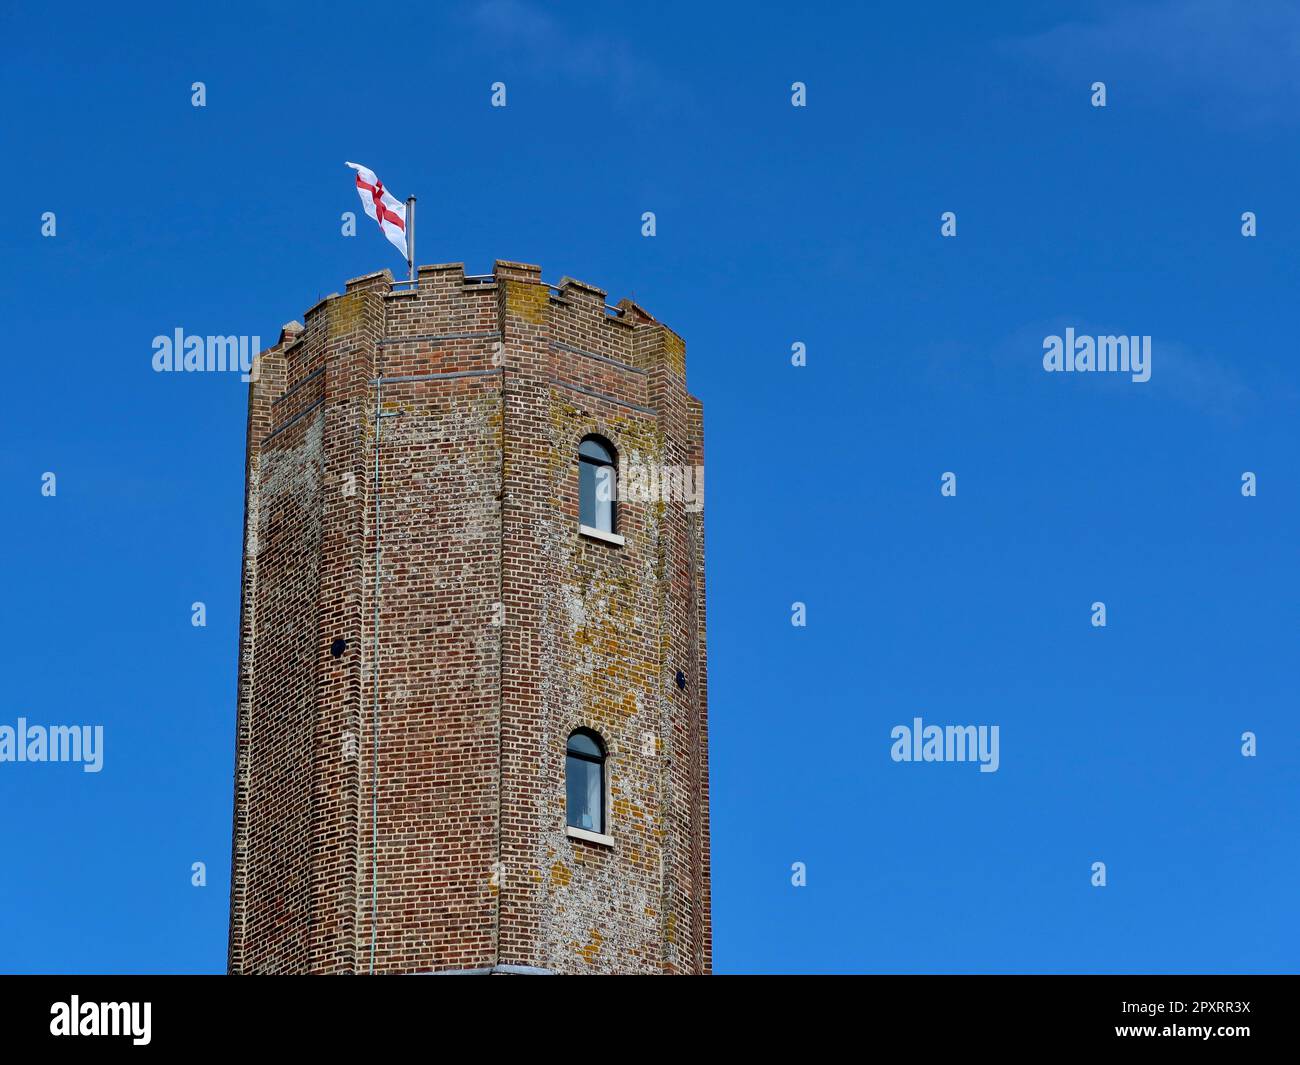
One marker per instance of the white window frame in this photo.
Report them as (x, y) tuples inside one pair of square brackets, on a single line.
[(606, 838)]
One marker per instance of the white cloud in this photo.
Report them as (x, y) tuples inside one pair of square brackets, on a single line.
[(1235, 62), (582, 56)]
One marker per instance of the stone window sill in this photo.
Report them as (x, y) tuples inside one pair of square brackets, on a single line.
[(590, 837), (597, 534)]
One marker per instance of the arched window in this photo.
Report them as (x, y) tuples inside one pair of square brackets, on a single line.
[(584, 772), (597, 488)]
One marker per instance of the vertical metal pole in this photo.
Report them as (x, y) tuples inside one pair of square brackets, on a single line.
[(410, 236)]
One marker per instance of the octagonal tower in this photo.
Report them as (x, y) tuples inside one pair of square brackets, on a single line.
[(433, 608)]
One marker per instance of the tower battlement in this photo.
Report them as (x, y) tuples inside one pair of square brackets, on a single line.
[(427, 623)]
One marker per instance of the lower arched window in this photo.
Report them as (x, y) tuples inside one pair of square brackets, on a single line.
[(584, 772)]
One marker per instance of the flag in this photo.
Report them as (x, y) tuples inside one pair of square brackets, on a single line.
[(382, 206)]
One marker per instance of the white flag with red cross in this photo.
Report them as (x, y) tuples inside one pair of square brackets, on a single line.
[(383, 207)]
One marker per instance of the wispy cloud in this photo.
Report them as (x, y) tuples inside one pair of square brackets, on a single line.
[(1235, 62), (588, 57), (1189, 376), (1204, 381), (1196, 378)]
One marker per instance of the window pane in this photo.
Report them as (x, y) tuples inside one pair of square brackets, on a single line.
[(593, 449), (606, 490), (585, 798), (595, 797), (587, 494), (596, 492), (581, 743)]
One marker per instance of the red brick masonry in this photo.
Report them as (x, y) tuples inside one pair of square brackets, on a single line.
[(437, 429)]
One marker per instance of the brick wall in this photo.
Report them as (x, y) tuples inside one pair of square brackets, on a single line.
[(436, 431)]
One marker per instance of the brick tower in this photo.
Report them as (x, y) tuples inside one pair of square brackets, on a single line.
[(472, 733)]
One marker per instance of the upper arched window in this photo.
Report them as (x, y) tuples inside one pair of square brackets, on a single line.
[(584, 774), (597, 484)]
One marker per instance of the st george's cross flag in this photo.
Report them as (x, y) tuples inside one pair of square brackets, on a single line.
[(383, 207)]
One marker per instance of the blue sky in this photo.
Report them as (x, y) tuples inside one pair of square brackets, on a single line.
[(776, 224)]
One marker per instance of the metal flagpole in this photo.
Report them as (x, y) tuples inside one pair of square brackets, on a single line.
[(410, 236)]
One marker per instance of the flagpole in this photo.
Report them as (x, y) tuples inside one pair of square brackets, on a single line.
[(410, 236)]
